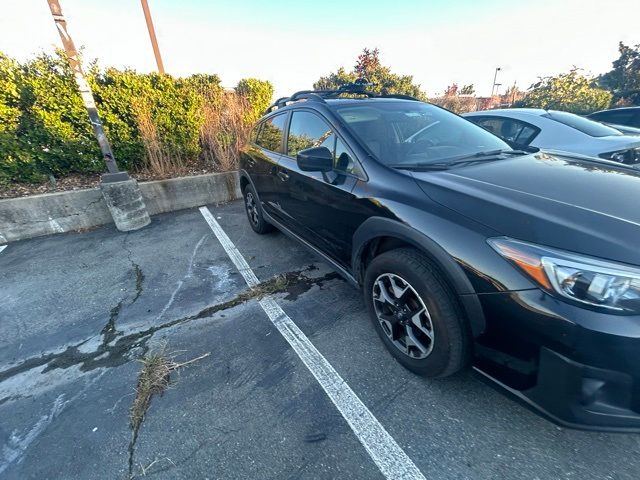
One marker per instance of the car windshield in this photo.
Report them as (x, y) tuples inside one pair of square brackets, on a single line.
[(415, 133), (590, 127)]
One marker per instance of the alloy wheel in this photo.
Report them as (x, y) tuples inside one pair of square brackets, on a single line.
[(403, 316), (252, 209)]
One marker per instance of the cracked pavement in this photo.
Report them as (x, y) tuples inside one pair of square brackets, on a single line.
[(77, 310)]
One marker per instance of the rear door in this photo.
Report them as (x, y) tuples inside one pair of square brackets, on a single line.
[(319, 207), (261, 158)]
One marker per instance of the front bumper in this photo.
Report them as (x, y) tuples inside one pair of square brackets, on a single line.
[(579, 367)]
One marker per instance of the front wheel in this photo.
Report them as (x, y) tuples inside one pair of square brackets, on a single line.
[(254, 211), (416, 314)]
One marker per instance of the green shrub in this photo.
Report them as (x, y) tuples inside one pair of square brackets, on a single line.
[(571, 92), (45, 130), (41, 113), (258, 94), (53, 125)]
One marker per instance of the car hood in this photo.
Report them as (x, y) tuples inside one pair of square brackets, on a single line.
[(577, 204)]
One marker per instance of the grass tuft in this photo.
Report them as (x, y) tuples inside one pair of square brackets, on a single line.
[(154, 379)]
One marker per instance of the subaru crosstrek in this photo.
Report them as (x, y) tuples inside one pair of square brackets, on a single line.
[(522, 264)]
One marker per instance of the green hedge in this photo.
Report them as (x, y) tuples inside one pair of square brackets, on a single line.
[(44, 128)]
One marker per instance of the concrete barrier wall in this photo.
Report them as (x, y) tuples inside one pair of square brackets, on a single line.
[(38, 215)]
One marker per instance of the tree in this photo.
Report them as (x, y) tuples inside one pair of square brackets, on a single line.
[(368, 66), (624, 78), (468, 90), (452, 90), (368, 62), (572, 92), (512, 94)]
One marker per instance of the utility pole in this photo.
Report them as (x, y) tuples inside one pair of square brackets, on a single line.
[(83, 86), (495, 77), (152, 35)]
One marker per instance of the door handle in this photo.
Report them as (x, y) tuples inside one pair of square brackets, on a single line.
[(284, 176)]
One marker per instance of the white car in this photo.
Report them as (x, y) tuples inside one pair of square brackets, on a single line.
[(562, 131)]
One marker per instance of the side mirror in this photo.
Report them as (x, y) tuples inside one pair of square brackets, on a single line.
[(315, 159)]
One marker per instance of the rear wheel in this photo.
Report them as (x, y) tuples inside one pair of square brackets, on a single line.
[(254, 211), (416, 314)]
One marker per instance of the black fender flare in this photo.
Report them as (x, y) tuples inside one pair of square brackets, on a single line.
[(378, 227)]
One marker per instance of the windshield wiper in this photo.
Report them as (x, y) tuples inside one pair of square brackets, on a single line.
[(462, 160), (421, 166), (488, 154)]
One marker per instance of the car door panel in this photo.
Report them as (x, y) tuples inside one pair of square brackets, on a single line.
[(261, 159), (319, 207), (262, 167)]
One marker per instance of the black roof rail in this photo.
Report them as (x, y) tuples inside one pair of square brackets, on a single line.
[(359, 87), (399, 96)]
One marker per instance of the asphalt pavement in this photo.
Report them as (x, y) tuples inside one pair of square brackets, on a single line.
[(79, 311)]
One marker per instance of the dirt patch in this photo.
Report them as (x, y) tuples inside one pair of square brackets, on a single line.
[(72, 182), (81, 182)]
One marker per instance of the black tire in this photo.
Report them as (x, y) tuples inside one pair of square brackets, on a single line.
[(442, 331), (255, 216)]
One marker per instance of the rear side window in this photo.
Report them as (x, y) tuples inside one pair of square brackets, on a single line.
[(514, 131), (270, 133), (584, 125)]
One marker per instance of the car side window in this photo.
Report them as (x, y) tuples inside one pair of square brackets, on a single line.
[(270, 133), (509, 129), (253, 136), (308, 130), (343, 160)]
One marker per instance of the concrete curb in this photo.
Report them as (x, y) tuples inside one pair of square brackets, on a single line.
[(38, 215)]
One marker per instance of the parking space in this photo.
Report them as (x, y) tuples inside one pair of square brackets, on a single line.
[(78, 310)]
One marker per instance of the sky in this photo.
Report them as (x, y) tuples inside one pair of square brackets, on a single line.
[(292, 43)]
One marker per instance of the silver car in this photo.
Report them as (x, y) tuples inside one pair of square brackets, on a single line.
[(562, 131)]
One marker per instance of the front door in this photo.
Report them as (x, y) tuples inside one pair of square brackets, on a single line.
[(319, 207)]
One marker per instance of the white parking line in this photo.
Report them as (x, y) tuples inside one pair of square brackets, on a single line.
[(392, 461)]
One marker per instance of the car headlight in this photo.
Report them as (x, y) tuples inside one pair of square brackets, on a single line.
[(630, 156), (587, 280)]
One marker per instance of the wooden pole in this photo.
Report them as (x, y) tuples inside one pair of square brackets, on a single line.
[(152, 35)]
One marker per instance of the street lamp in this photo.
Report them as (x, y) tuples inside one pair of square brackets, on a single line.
[(495, 77)]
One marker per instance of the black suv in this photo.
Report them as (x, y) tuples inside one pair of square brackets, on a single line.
[(524, 265)]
